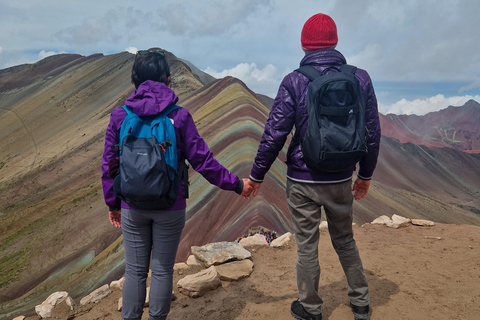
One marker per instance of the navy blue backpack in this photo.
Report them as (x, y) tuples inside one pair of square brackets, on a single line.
[(148, 176)]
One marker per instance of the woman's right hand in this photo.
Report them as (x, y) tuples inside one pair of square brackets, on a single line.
[(115, 218)]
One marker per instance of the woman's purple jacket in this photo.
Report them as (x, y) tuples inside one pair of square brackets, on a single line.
[(149, 99), (289, 111)]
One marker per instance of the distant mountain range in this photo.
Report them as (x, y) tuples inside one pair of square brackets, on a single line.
[(54, 230)]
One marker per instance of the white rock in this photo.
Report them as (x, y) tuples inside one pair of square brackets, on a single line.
[(45, 309), (96, 295), (282, 240), (423, 223), (382, 220), (398, 222), (220, 252), (397, 218), (193, 261), (323, 225), (236, 270), (117, 284), (198, 284), (19, 318), (255, 240), (120, 304)]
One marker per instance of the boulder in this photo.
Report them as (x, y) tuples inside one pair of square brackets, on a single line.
[(117, 284), (236, 270), (282, 240), (220, 252), (96, 295), (423, 223), (382, 220), (255, 240), (196, 285), (45, 309)]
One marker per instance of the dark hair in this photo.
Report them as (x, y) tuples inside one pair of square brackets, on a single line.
[(150, 66)]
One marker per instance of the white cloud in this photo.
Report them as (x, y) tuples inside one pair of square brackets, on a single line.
[(43, 54), (264, 81), (472, 86), (424, 106), (132, 50)]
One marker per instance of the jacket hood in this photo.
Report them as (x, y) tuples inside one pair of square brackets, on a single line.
[(323, 57), (151, 98)]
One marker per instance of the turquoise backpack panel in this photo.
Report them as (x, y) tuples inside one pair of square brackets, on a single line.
[(158, 125)]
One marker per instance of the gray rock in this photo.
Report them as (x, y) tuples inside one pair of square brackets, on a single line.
[(196, 285), (236, 270), (220, 252)]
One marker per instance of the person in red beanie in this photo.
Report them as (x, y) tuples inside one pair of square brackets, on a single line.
[(309, 190)]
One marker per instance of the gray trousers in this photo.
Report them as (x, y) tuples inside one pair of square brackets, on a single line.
[(305, 202), (149, 237)]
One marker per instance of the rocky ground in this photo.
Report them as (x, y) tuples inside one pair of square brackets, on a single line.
[(414, 273)]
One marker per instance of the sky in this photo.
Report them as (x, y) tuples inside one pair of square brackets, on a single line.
[(422, 55)]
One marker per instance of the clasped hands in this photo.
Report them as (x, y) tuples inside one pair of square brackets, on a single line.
[(249, 186)]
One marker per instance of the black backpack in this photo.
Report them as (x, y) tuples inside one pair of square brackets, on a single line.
[(148, 176), (335, 139)]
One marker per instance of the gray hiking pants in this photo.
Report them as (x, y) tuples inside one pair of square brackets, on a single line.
[(305, 202), (149, 237)]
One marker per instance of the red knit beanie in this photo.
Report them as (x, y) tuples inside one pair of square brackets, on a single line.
[(319, 32)]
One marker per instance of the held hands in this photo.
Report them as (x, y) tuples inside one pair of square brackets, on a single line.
[(360, 188), (248, 187), (115, 218)]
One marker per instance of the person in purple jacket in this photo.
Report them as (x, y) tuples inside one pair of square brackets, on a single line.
[(151, 237), (309, 190)]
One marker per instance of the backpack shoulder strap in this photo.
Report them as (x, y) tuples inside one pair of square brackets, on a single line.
[(170, 108), (309, 71), (348, 68)]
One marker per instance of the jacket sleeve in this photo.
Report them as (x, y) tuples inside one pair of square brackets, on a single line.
[(110, 156), (279, 124), (369, 161), (201, 158)]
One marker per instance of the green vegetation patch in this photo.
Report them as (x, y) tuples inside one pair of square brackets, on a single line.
[(11, 266)]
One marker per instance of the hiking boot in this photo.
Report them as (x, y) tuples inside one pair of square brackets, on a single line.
[(360, 313), (299, 312)]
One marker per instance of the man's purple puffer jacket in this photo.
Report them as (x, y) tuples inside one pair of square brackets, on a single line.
[(289, 111)]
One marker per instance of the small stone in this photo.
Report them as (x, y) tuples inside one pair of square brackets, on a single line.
[(282, 240), (198, 284), (19, 318), (236, 270), (423, 223), (96, 295), (193, 261), (118, 284), (255, 240), (382, 220), (435, 238), (45, 309), (323, 225), (180, 266)]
